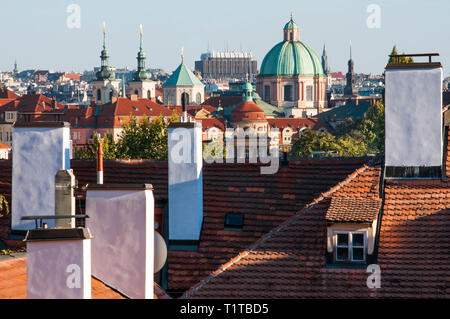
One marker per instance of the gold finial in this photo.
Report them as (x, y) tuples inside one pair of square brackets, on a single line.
[(104, 28), (182, 55), (246, 77), (292, 16), (140, 30)]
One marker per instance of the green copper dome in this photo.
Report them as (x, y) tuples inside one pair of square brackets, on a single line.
[(291, 58), (291, 25)]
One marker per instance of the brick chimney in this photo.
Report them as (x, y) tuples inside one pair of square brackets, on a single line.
[(413, 118), (40, 150), (121, 218), (185, 183)]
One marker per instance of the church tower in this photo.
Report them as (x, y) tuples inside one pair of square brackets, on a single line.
[(141, 85), (326, 68), (350, 89), (105, 87)]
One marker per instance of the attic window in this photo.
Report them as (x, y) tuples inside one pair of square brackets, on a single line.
[(350, 246), (234, 221), (135, 108)]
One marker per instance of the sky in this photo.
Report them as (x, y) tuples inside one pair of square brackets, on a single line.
[(38, 35)]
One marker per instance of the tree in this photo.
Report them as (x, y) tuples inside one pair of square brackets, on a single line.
[(4, 207), (401, 59), (89, 151), (351, 138)]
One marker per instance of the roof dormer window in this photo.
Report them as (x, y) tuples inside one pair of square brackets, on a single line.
[(349, 246), (351, 230)]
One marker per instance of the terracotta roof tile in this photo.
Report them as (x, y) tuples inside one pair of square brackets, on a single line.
[(353, 209), (13, 282)]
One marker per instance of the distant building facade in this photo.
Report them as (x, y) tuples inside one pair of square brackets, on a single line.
[(226, 65)]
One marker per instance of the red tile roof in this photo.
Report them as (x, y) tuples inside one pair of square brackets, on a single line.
[(6, 93), (362, 210), (265, 200), (13, 282), (211, 122), (247, 111), (289, 261)]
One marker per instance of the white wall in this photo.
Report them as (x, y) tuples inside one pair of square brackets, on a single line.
[(122, 224), (413, 117), (38, 154), (185, 184), (50, 268)]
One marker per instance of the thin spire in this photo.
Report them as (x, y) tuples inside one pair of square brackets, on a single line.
[(182, 55), (104, 34), (141, 32), (350, 49), (292, 16)]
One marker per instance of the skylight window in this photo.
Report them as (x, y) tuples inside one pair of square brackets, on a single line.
[(234, 221)]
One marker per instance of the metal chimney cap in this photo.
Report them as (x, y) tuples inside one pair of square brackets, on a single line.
[(53, 234), (41, 124), (114, 187)]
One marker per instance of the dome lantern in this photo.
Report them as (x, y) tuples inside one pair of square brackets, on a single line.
[(291, 31)]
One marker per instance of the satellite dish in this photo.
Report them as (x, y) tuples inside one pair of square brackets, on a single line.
[(160, 252)]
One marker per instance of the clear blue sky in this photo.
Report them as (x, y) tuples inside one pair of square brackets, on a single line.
[(35, 32)]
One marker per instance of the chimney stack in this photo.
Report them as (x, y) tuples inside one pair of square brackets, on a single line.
[(59, 263), (413, 118), (65, 198), (185, 183), (100, 163), (40, 150), (121, 217)]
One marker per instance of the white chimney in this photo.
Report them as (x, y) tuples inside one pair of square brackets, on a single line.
[(121, 218), (40, 150), (185, 182), (413, 119), (59, 263)]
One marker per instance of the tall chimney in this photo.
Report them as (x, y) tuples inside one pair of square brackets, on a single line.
[(40, 150), (413, 118), (100, 163), (65, 198), (185, 182), (121, 217), (59, 263)]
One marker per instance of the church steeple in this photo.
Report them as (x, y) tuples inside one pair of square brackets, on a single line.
[(105, 72), (326, 68), (141, 74), (16, 70), (350, 89)]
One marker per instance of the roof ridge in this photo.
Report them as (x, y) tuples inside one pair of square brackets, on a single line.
[(275, 230)]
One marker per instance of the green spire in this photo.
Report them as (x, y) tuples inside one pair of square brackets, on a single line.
[(247, 95), (105, 72), (141, 74)]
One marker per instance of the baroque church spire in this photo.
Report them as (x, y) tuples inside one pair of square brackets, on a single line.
[(141, 74)]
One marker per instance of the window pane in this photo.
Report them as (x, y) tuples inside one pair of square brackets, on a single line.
[(358, 239), (342, 239), (358, 253), (342, 254)]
